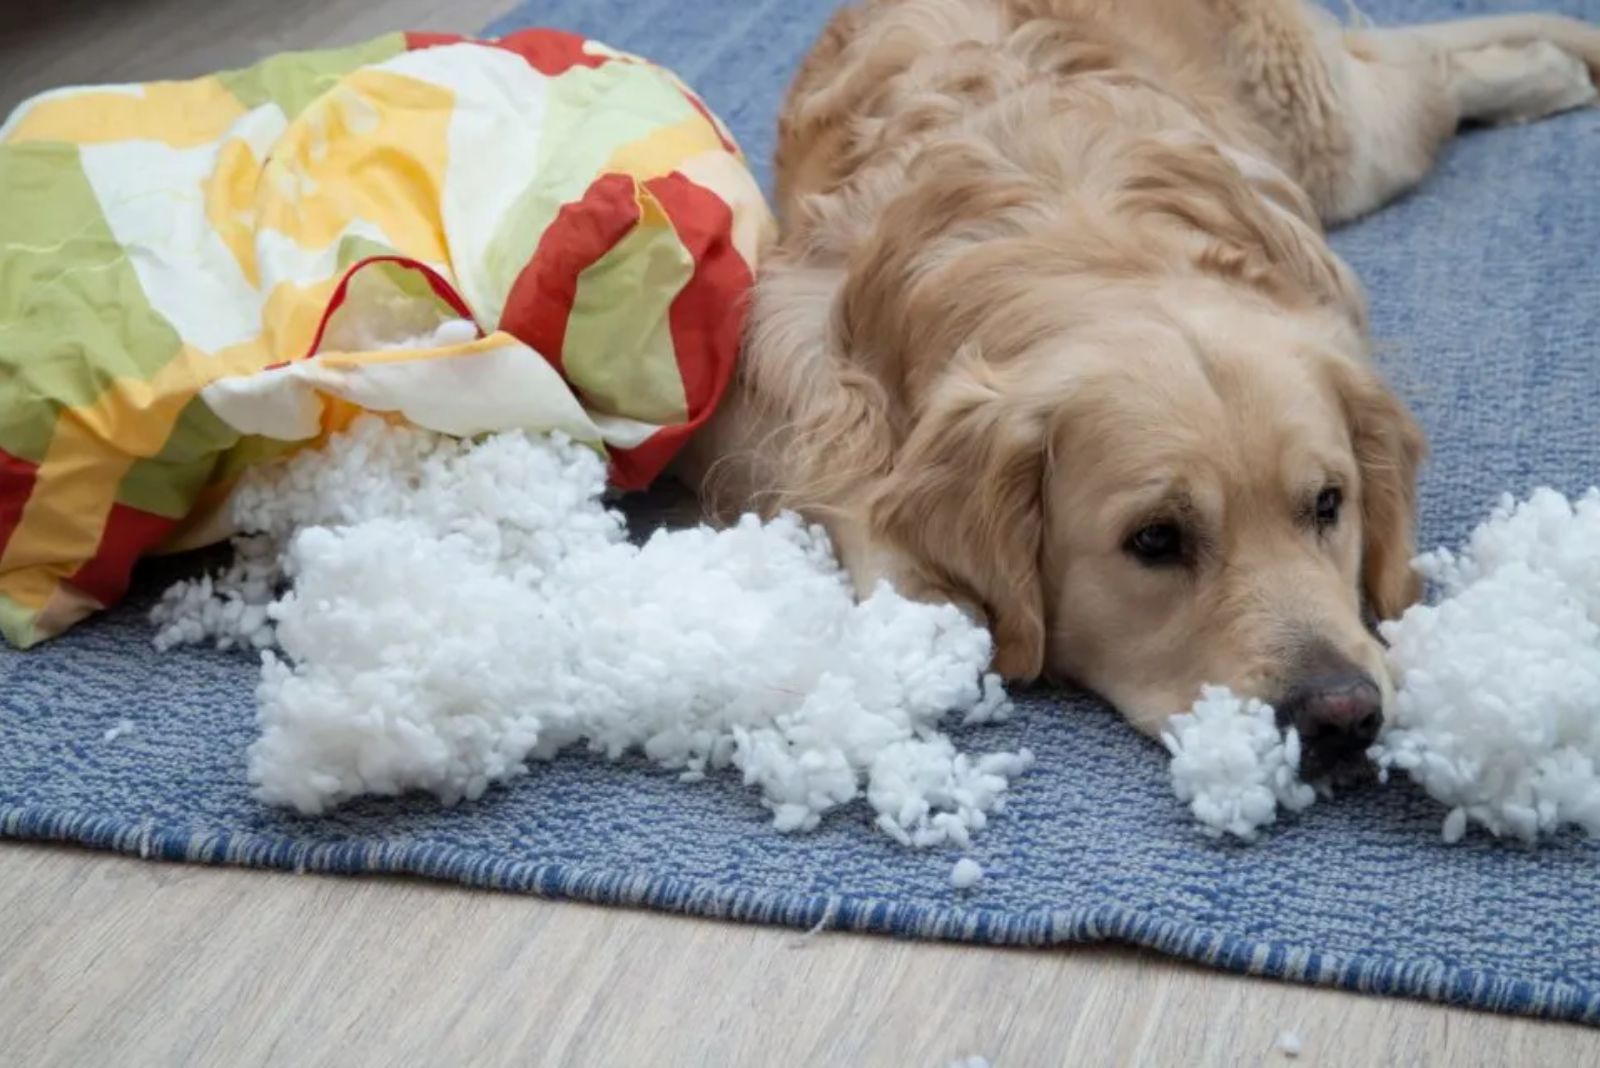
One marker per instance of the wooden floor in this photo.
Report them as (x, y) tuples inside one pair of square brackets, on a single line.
[(49, 43), (106, 960)]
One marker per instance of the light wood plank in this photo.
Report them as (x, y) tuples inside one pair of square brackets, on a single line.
[(52, 43), (106, 958)]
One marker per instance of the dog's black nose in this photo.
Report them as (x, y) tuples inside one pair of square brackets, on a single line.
[(1338, 715)]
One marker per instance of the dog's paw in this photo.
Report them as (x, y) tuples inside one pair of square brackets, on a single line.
[(1521, 83)]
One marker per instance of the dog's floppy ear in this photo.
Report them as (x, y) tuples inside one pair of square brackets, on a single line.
[(1389, 447), (963, 501)]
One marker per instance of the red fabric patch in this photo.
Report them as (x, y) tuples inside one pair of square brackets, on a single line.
[(634, 469), (438, 283), (16, 484), (706, 318), (416, 42), (128, 535), (540, 301), (550, 52)]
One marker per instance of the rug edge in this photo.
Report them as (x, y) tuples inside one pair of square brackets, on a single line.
[(1442, 984)]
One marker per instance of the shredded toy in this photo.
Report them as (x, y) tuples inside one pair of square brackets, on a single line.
[(203, 275)]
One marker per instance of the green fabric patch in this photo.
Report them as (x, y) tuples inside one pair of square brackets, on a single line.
[(626, 364), (251, 451), (169, 482), (292, 80), (73, 315), (16, 623), (404, 280)]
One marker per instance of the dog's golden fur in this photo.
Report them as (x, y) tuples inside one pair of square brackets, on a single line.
[(1052, 273)]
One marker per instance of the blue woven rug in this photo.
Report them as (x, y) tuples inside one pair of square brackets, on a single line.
[(1486, 293)]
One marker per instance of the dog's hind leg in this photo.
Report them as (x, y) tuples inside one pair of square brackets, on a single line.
[(1404, 92), (1360, 114)]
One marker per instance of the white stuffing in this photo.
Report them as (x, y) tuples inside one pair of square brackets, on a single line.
[(970, 1062), (1232, 764), (966, 874), (436, 613), (1289, 1043), (117, 730), (1497, 713), (229, 609)]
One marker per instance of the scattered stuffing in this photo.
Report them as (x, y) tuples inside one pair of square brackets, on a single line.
[(117, 730), (230, 609), (1497, 713), (966, 874), (1232, 764), (1289, 1043), (435, 613)]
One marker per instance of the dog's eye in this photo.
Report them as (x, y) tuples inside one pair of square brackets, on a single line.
[(1328, 503), (1158, 543)]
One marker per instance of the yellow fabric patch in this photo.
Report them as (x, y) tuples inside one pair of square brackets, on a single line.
[(231, 204), (178, 114), (665, 148), (373, 148), (66, 514)]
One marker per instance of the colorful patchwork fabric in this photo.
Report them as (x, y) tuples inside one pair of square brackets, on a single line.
[(197, 276)]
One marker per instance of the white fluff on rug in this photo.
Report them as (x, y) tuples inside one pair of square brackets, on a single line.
[(1497, 713), (1233, 766), (966, 873), (456, 609)]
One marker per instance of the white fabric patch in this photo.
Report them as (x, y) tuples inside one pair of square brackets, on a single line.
[(494, 137), (153, 199), (281, 260), (484, 385)]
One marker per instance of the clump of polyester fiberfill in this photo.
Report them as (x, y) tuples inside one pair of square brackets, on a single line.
[(443, 611), (1232, 764), (1497, 710), (966, 874)]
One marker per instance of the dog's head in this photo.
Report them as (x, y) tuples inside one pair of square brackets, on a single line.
[(1175, 503), (1152, 456)]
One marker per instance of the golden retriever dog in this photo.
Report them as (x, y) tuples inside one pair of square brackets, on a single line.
[(1051, 330)]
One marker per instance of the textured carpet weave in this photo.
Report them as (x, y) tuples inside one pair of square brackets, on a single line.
[(1486, 299)]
